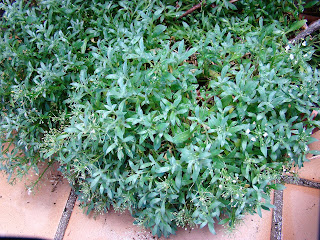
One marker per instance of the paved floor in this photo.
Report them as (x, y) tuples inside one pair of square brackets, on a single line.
[(38, 214)]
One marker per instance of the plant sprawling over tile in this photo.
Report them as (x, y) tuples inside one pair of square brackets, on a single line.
[(181, 121)]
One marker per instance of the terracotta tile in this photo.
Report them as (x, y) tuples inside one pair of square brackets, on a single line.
[(32, 214), (300, 213), (111, 225), (310, 170), (115, 226)]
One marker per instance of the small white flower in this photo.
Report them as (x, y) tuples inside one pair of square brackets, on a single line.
[(220, 186), (248, 131), (253, 139), (234, 181), (265, 134), (29, 191), (291, 56), (287, 48), (304, 43), (254, 122), (295, 62)]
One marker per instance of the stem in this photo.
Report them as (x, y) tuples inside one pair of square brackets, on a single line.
[(40, 177)]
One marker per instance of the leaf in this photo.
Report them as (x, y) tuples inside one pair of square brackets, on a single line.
[(62, 136), (203, 224), (128, 139), (297, 25), (112, 76), (84, 46), (224, 221), (224, 71), (49, 154), (95, 182), (182, 137), (120, 154), (311, 3), (264, 149), (80, 127), (155, 201), (178, 179), (314, 152), (145, 165), (181, 47), (162, 126), (230, 5), (218, 163), (157, 143), (268, 205), (101, 189), (312, 140), (260, 116), (168, 137), (238, 128), (177, 101), (195, 173), (163, 208), (259, 211), (110, 148), (211, 228), (158, 30), (187, 54), (163, 169), (133, 178)]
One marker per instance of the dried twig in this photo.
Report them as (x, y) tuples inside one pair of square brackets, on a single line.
[(195, 7), (312, 28), (309, 18), (199, 5)]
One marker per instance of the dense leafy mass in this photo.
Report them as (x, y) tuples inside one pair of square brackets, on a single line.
[(181, 121)]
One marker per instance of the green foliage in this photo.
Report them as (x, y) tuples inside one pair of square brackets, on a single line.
[(179, 121)]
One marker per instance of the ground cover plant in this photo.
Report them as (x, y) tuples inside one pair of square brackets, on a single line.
[(183, 121)]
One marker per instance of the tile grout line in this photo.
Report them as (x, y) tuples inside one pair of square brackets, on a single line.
[(64, 220), (300, 182), (276, 227)]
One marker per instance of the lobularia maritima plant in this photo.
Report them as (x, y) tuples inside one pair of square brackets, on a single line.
[(179, 120)]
